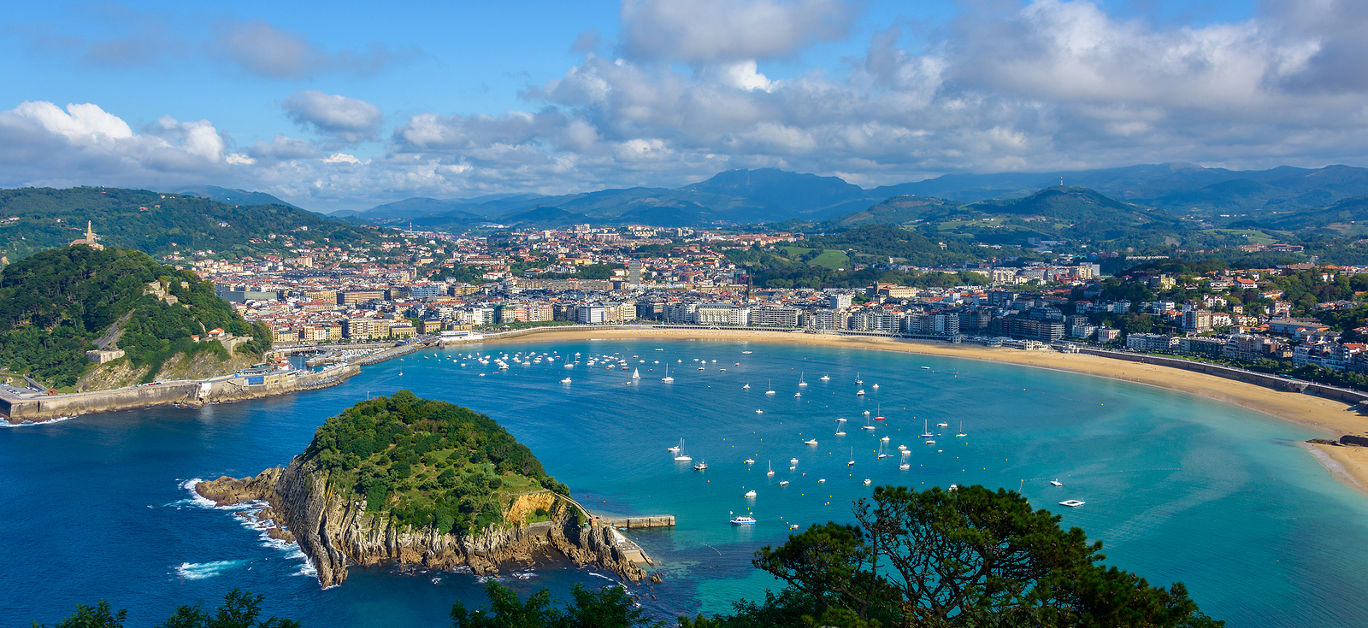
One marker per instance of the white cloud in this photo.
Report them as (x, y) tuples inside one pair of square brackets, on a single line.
[(347, 119), (262, 49), (341, 158), (730, 30)]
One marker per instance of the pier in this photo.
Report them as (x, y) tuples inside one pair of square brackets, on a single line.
[(636, 523)]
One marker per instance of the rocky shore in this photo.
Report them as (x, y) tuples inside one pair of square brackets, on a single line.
[(335, 533)]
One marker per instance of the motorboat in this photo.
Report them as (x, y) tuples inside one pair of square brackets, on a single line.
[(1072, 503)]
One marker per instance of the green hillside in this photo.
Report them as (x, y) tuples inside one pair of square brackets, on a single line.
[(58, 304), (34, 219), (426, 463)]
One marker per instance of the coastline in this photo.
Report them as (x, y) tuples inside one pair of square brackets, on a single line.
[(1327, 417)]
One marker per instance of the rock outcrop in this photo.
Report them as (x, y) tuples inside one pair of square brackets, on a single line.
[(335, 532)]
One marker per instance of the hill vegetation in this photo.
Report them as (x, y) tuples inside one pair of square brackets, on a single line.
[(426, 463), (56, 305), (34, 219)]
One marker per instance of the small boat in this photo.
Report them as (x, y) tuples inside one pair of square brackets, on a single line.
[(770, 389), (866, 413), (759, 411), (858, 381), (825, 378), (746, 387), (793, 462), (961, 433), (868, 481), (942, 424), (797, 394), (700, 465), (783, 482), (636, 374), (749, 461), (859, 393), (746, 352), (770, 472), (700, 368), (801, 383), (750, 494), (884, 439), (821, 480), (867, 426), (927, 367), (667, 379), (1056, 482), (680, 456), (565, 381), (676, 448), (852, 458), (926, 430), (793, 526), (1072, 503), (742, 520), (879, 415), (904, 466), (881, 455), (875, 386), (811, 442), (930, 441)]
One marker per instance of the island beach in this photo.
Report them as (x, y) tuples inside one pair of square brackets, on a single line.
[(1327, 417)]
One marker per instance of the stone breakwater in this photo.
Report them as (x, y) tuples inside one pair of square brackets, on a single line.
[(38, 408), (335, 532)]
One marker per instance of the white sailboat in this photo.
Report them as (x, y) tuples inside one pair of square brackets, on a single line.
[(770, 472), (852, 458), (858, 381), (667, 379), (746, 387), (680, 456), (926, 429), (839, 431), (565, 381), (961, 433), (826, 378), (636, 374), (676, 448), (770, 389), (801, 383)]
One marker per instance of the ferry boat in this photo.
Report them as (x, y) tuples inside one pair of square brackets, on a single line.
[(742, 520)]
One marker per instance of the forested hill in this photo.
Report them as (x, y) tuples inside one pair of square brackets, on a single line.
[(426, 463), (58, 304), (34, 219)]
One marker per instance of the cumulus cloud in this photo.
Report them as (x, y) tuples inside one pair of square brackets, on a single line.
[(347, 119), (265, 50), (729, 30)]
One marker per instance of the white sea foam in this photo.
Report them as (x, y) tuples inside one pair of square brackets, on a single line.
[(30, 423), (200, 571), (524, 575)]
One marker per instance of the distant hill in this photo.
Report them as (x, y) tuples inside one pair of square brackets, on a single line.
[(33, 219), (899, 211), (767, 195), (58, 304), (232, 196)]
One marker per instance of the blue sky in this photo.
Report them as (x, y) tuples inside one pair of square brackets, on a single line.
[(347, 104)]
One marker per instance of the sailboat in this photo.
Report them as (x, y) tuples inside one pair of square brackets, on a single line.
[(961, 433), (636, 374), (770, 389), (667, 379), (801, 383), (839, 431), (680, 456), (858, 381), (826, 378), (881, 455), (770, 473), (852, 458), (746, 387), (676, 448), (926, 429), (867, 426), (565, 381), (879, 412)]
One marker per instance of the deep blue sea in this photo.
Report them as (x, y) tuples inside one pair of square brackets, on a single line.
[(1177, 487)]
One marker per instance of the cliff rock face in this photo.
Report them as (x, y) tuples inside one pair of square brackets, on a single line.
[(335, 532)]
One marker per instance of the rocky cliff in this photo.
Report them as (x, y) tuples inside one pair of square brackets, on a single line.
[(335, 532)]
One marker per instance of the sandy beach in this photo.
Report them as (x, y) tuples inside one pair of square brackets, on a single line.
[(1327, 417)]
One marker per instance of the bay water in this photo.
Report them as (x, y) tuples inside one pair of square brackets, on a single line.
[(1178, 488)]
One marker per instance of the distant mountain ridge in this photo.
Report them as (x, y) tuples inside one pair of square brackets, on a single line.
[(33, 219), (767, 195)]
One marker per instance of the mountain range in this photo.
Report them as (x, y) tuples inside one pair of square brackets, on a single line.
[(743, 197)]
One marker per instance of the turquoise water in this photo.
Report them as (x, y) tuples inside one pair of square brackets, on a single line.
[(1177, 488)]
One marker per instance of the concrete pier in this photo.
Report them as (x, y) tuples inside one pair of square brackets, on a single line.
[(636, 523)]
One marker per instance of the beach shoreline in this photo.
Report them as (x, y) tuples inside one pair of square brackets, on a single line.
[(1327, 417)]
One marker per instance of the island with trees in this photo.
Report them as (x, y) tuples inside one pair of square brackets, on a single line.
[(410, 481)]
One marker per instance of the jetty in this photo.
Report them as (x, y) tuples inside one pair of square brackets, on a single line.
[(629, 548)]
